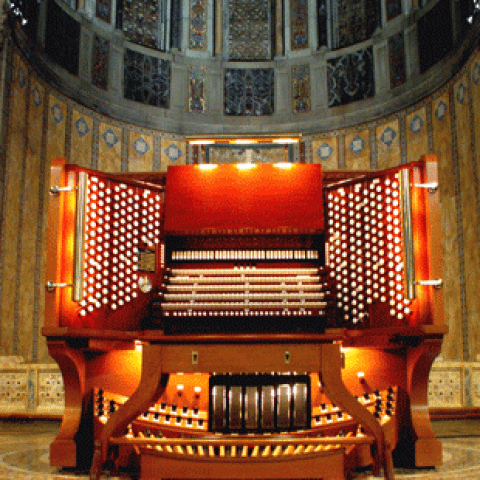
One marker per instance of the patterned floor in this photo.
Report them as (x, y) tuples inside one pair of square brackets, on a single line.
[(24, 453)]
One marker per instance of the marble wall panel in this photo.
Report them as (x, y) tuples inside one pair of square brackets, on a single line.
[(57, 114), (416, 134), (29, 215), (442, 143), (452, 347), (475, 385), (109, 148), (357, 150), (388, 145), (173, 152), (140, 152), (325, 151), (469, 220), (13, 199), (475, 86), (81, 139)]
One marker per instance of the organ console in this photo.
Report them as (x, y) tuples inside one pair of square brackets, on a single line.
[(251, 321)]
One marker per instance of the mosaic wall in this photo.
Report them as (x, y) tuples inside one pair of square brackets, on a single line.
[(103, 10), (298, 24), (354, 21), (248, 34), (397, 62), (100, 54), (44, 124), (145, 22), (197, 86), (301, 88), (249, 91), (198, 25), (350, 77), (146, 79)]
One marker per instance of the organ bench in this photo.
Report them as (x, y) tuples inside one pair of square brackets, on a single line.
[(259, 321)]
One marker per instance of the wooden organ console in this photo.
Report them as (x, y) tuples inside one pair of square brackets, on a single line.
[(245, 321)]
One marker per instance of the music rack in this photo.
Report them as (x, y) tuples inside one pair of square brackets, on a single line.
[(198, 335)]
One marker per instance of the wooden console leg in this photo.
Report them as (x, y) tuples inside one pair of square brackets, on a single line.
[(331, 378), (428, 450), (63, 450), (151, 386)]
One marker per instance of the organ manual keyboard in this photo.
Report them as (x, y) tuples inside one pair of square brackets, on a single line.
[(250, 321)]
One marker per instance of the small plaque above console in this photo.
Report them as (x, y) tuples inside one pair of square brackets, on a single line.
[(244, 199)]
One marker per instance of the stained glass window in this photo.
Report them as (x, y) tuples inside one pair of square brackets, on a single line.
[(147, 79), (249, 91), (249, 30), (350, 77), (145, 22)]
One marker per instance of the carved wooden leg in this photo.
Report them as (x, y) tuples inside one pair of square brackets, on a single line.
[(63, 450), (428, 450), (151, 386), (331, 378)]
